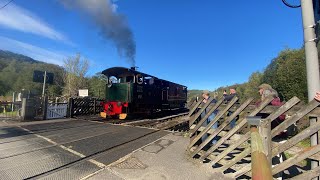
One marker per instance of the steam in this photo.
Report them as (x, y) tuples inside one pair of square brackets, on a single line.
[(113, 26)]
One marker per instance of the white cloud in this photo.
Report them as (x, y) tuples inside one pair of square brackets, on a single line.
[(15, 17), (32, 51)]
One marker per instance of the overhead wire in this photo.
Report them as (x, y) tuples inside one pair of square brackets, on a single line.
[(290, 5), (6, 4)]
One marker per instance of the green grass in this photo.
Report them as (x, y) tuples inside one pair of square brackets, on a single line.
[(301, 163), (304, 143), (11, 113), (288, 155)]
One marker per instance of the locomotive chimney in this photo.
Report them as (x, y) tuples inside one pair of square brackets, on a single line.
[(134, 68)]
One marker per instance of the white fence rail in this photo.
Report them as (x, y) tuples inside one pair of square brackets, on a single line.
[(55, 111)]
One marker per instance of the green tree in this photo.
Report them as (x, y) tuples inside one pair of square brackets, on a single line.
[(251, 88), (287, 74), (76, 69), (9, 75), (16, 73), (2, 88), (97, 85)]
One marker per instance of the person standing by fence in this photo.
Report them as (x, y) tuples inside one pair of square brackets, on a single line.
[(266, 90), (228, 98), (206, 96)]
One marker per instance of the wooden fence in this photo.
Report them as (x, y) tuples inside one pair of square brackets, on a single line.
[(230, 154), (10, 110), (84, 106)]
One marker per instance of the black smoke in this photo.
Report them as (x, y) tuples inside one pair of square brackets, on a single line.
[(113, 26)]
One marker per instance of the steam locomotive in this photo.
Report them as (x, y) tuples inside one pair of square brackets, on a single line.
[(130, 92)]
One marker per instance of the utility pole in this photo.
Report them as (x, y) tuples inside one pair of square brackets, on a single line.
[(313, 77), (312, 61), (44, 83)]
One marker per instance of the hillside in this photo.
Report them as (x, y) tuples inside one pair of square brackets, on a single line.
[(16, 72), (7, 56)]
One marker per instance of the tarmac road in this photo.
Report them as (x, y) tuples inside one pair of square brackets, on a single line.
[(68, 149)]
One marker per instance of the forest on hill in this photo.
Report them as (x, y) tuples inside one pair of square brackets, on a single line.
[(16, 73)]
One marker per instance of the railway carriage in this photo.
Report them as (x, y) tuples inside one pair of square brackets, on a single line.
[(130, 92)]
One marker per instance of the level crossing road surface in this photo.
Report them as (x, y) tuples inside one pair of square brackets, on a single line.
[(68, 149)]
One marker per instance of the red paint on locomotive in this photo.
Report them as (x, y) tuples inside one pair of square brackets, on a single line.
[(113, 108)]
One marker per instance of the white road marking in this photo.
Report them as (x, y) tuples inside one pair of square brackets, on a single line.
[(99, 164)]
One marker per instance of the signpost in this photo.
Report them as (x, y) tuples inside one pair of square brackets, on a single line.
[(43, 77), (83, 92)]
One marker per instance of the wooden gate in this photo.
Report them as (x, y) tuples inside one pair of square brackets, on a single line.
[(231, 153), (57, 110), (84, 106)]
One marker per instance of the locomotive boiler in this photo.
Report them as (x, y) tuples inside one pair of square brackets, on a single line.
[(130, 92)]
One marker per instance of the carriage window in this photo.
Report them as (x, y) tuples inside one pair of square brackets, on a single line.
[(185, 89), (148, 80), (139, 79), (121, 80), (129, 79), (113, 80)]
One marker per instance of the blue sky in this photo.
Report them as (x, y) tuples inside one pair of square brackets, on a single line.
[(201, 44)]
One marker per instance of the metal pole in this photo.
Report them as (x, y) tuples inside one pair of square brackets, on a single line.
[(44, 83), (312, 61)]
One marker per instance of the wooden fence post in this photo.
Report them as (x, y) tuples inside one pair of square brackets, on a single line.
[(94, 106), (45, 107), (70, 108), (23, 108), (261, 168), (265, 132), (260, 165)]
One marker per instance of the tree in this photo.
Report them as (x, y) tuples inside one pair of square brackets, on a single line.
[(2, 88), (76, 69), (97, 85), (251, 88), (287, 74)]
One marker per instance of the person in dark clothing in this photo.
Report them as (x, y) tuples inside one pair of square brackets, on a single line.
[(206, 96), (266, 90), (227, 98)]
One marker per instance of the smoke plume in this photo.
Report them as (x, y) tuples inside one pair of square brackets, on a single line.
[(113, 26)]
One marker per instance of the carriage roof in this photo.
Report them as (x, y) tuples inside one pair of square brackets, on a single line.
[(116, 71)]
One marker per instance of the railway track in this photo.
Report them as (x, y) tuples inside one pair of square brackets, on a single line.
[(173, 122), (176, 122)]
